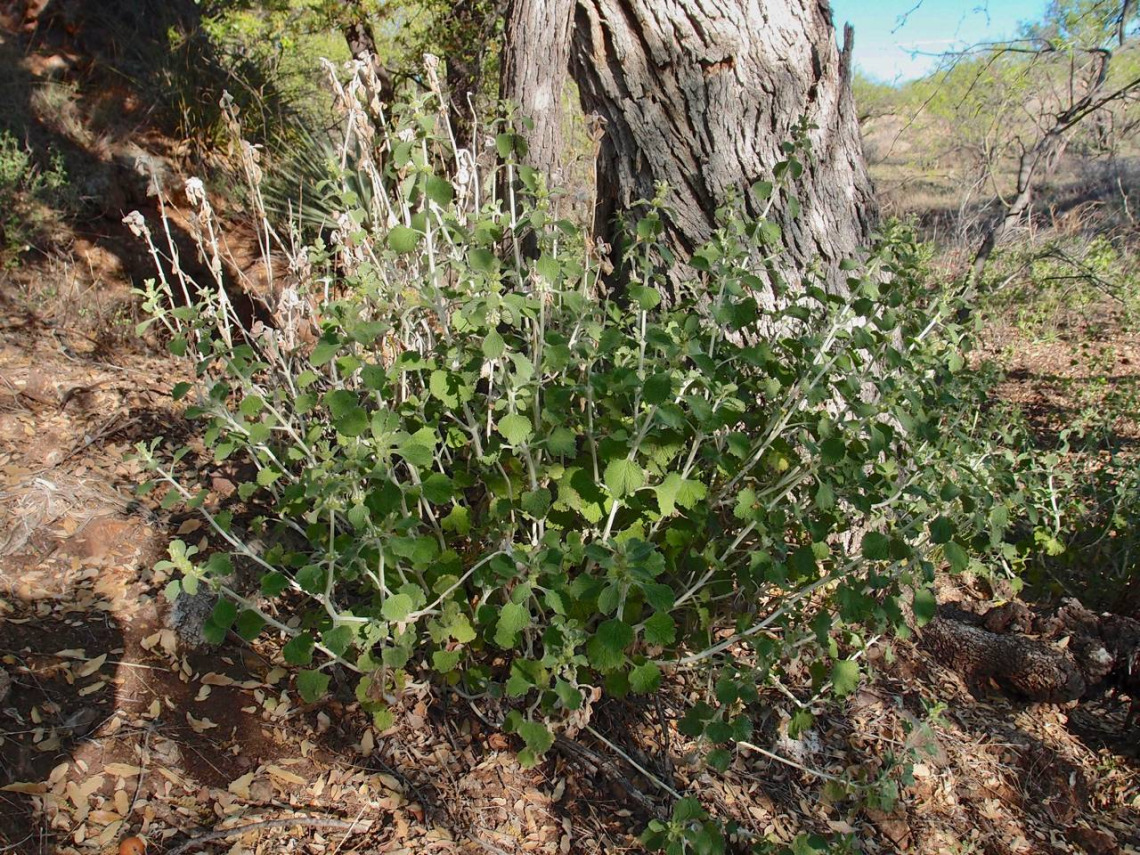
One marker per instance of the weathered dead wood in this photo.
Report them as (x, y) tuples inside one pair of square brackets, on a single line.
[(1025, 667), (1060, 656)]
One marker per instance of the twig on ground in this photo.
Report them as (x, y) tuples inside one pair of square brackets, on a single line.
[(577, 753), (666, 747), (305, 820)]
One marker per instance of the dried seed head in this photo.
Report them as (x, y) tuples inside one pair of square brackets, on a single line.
[(135, 222)]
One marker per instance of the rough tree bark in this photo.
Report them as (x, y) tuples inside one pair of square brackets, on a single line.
[(361, 44), (701, 95), (1051, 657), (535, 63)]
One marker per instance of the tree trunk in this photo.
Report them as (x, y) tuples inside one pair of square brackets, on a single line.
[(535, 63), (361, 44), (702, 95)]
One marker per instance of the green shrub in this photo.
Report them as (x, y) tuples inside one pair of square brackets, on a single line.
[(29, 195), (486, 473), (1062, 288)]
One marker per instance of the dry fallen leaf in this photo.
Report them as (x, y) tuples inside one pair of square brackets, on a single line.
[(122, 770), (28, 788), (91, 666), (283, 775), (189, 526), (240, 786), (200, 725)]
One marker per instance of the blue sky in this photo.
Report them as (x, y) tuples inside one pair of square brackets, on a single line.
[(886, 36)]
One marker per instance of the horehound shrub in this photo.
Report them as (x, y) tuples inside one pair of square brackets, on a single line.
[(495, 478)]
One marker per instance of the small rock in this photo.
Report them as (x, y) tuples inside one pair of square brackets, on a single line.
[(188, 616)]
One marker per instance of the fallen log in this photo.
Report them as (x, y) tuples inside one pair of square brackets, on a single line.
[(1062, 656)]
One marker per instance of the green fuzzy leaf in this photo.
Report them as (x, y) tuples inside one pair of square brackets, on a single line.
[(941, 530), (493, 345), (505, 144), (354, 422), (645, 678), (439, 190), (925, 606), (445, 661), (646, 298), (482, 260), (606, 649), (570, 697), (438, 488), (249, 624), (719, 759), (397, 607), (657, 389), (251, 405), (876, 546), (461, 630), (762, 189), (224, 614), (513, 618), (273, 583), (661, 629), (339, 639), (458, 521), (516, 429), (441, 385), (299, 651), (623, 477), (219, 564), (212, 633), (845, 676), (312, 685), (675, 490), (401, 239), (661, 597), (312, 578), (416, 452), (562, 442), (537, 502), (688, 809), (383, 719), (956, 555), (548, 268), (326, 349), (536, 735)]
